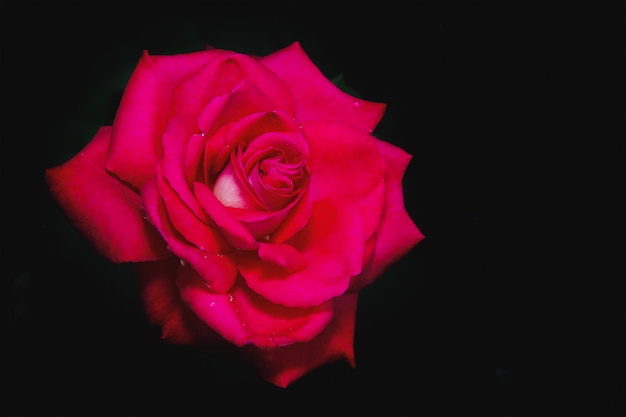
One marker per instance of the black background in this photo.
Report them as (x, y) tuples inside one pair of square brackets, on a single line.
[(514, 114)]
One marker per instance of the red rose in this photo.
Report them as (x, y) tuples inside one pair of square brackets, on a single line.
[(253, 199)]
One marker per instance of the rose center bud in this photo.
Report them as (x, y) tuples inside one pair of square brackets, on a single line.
[(266, 173)]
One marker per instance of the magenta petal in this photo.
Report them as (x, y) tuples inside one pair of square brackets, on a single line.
[(185, 222), (242, 317), (164, 307), (347, 166), (218, 270), (397, 233), (179, 132), (105, 210), (243, 100), (284, 365), (233, 231), (224, 75), (316, 97), (282, 255), (332, 242), (144, 112)]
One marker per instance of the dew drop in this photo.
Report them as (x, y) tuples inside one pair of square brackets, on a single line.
[(231, 297), (183, 263), (220, 255), (356, 104), (212, 304)]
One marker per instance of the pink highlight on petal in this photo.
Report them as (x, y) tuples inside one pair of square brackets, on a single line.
[(106, 211), (261, 223), (232, 229)]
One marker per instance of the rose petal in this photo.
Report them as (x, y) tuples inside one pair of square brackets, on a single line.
[(242, 317), (347, 166), (397, 233), (218, 270), (233, 231), (187, 225), (223, 75), (144, 109), (245, 99), (101, 207), (257, 124), (316, 97), (179, 132), (284, 365), (164, 307), (332, 243), (285, 256)]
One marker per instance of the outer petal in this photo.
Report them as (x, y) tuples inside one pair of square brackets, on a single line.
[(105, 210), (282, 366), (222, 76), (397, 233), (144, 111), (164, 307), (347, 166), (315, 96), (333, 245), (243, 317)]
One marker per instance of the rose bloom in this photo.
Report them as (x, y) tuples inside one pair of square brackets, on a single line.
[(253, 199)]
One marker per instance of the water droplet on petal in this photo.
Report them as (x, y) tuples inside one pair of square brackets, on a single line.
[(212, 304), (183, 263), (231, 297), (356, 104)]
